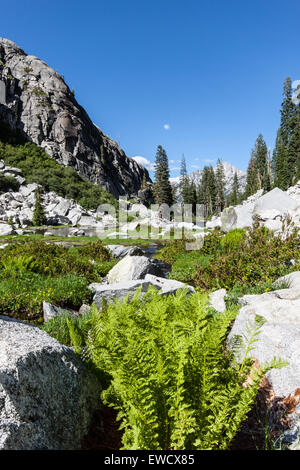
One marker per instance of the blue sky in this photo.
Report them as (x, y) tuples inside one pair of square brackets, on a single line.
[(199, 77)]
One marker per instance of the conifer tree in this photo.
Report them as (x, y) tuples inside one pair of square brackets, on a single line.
[(144, 185), (252, 184), (162, 187), (191, 196), (234, 197), (288, 112), (286, 153), (261, 162), (220, 187), (280, 167), (184, 183), (293, 154), (207, 191), (39, 217)]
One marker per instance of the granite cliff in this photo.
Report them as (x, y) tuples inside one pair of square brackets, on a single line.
[(36, 101)]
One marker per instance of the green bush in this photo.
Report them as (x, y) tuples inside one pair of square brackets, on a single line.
[(39, 217), (233, 240), (7, 183), (95, 250), (185, 267), (175, 248), (260, 257), (171, 382), (170, 252)]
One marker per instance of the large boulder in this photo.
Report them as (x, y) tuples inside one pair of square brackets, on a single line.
[(279, 336), (236, 217), (168, 286), (276, 200), (6, 229), (51, 311), (58, 220), (217, 300), (47, 395), (120, 251), (120, 290), (132, 268), (111, 292)]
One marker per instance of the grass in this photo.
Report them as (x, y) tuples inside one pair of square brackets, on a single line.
[(57, 327), (186, 266), (33, 271), (23, 297)]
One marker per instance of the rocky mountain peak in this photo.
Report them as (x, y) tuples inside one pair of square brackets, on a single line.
[(229, 171), (36, 101)]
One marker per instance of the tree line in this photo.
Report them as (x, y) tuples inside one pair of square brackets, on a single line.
[(210, 192), (264, 171)]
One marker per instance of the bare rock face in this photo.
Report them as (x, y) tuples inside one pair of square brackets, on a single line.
[(47, 395), (132, 268), (279, 337), (35, 100)]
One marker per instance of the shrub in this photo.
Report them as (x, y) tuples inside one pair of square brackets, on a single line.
[(55, 260), (39, 217), (172, 384), (170, 252), (95, 250), (175, 248), (32, 271), (7, 183), (57, 327), (261, 256), (233, 240), (185, 267), (22, 297)]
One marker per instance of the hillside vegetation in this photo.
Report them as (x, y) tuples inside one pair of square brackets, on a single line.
[(38, 167)]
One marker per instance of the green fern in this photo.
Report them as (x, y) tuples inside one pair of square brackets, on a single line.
[(171, 380)]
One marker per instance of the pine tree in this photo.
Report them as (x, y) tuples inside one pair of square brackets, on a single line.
[(220, 187), (162, 186), (286, 153), (261, 162), (207, 191), (293, 154), (252, 185), (144, 185), (184, 183), (280, 167), (234, 197), (191, 196), (288, 112), (39, 217)]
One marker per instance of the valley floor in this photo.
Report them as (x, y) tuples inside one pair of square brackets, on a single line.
[(52, 281)]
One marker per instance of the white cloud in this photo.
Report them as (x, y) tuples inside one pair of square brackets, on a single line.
[(144, 162), (175, 168), (209, 160), (167, 127)]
